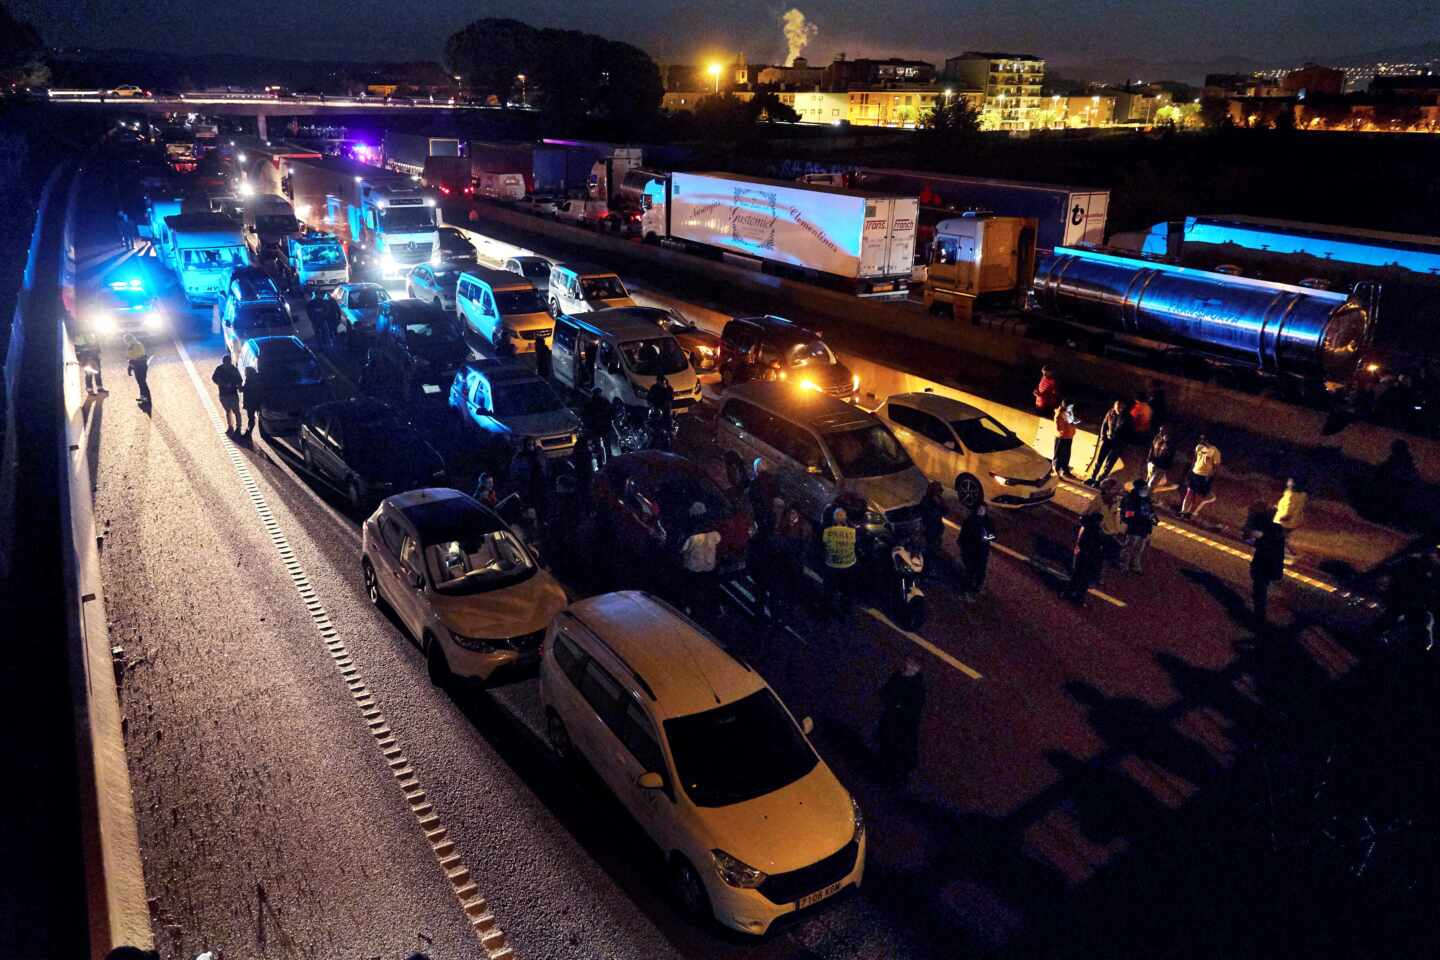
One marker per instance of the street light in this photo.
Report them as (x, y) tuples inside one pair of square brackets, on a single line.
[(714, 71), (521, 78)]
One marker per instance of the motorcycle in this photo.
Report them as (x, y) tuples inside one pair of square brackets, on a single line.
[(908, 597), (627, 434)]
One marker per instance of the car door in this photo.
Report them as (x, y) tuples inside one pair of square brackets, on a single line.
[(640, 525), (805, 474), (385, 555), (928, 441), (334, 452), (636, 751), (409, 599), (610, 373), (562, 357)]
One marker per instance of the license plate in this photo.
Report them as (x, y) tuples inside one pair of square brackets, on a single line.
[(819, 895), (430, 388)]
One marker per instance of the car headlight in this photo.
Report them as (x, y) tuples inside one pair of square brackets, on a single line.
[(1003, 481), (474, 644), (103, 323), (855, 382), (859, 819), (154, 320), (387, 260), (735, 872), (435, 259), (808, 384)]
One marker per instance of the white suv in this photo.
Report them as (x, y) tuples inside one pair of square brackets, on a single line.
[(699, 749)]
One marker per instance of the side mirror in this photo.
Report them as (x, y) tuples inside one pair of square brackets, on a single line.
[(651, 781), (807, 726), (417, 581)]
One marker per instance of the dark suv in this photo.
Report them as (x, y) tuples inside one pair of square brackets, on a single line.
[(773, 348)]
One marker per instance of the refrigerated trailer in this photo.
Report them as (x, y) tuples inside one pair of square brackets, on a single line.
[(861, 240)]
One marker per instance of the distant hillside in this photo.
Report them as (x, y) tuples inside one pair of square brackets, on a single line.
[(1119, 69)]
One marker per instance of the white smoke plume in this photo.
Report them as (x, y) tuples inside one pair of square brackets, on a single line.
[(798, 33)]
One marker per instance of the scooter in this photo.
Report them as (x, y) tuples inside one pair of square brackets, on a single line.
[(908, 597)]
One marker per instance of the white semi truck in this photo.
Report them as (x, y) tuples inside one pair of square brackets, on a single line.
[(385, 220), (861, 240)]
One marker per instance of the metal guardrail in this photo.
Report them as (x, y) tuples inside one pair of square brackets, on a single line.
[(83, 875)]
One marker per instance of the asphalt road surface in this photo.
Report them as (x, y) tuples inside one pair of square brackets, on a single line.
[(292, 764)]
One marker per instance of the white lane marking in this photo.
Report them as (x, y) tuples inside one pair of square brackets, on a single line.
[(1042, 565), (920, 641), (1224, 548), (476, 910)]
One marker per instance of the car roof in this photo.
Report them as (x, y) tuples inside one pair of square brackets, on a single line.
[(781, 328), (650, 463), (678, 666), (361, 285), (409, 305), (435, 512), (522, 257), (499, 279), (818, 410), (582, 269), (277, 343), (946, 408), (619, 324), (500, 371), (356, 408)]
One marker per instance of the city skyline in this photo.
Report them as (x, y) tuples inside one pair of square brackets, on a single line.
[(1174, 31)]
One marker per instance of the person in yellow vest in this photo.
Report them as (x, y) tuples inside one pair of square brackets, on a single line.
[(839, 542), (138, 365), (1290, 510), (87, 352)]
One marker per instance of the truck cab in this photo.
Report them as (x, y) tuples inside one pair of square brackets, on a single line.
[(269, 223), (397, 226), (316, 261), (977, 255)]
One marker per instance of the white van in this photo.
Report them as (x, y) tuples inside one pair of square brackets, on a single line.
[(496, 304), (580, 288), (621, 354), (500, 186), (752, 823)]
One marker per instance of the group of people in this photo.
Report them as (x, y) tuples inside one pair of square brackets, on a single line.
[(229, 385)]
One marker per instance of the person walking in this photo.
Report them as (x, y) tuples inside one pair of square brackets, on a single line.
[(543, 363), (1113, 431), (1065, 422), (87, 354), (1290, 508), (902, 704), (698, 559), (122, 224), (254, 390), (1159, 461), (1087, 560), (1138, 515), (1202, 476), (1266, 566), (795, 538), (932, 522), (1047, 391), (227, 382), (137, 360), (975, 538), (838, 540)]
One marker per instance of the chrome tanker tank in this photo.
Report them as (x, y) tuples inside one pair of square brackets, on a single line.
[(1273, 327)]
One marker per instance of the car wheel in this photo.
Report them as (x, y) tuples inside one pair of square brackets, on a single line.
[(436, 665), (690, 891), (554, 309), (357, 499), (558, 736), (372, 582), (969, 490)]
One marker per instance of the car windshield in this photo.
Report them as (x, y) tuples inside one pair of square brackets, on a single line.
[(367, 298), (436, 330), (215, 258), (380, 438), (478, 561), (869, 451), (674, 323), (260, 318), (804, 354), (524, 398), (518, 301), (319, 258), (276, 223), (738, 752), (656, 356), (602, 288), (408, 218), (290, 364), (534, 269), (985, 435)]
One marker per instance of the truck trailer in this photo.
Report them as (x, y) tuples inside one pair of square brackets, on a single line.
[(384, 219), (407, 152), (543, 166), (864, 241)]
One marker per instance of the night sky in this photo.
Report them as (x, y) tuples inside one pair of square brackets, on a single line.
[(1162, 30)]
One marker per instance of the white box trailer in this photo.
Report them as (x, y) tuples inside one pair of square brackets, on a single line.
[(865, 239)]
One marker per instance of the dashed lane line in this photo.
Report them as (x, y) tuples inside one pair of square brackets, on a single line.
[(1042, 565), (467, 892)]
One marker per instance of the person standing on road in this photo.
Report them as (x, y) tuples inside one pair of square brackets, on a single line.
[(122, 223), (1047, 391), (254, 391), (1087, 561), (1266, 566), (137, 360), (227, 381), (1138, 515), (1141, 416), (975, 538), (838, 540), (597, 422), (1202, 475), (533, 475), (1290, 509), (902, 703), (1113, 430), (932, 521), (1065, 421), (582, 464), (698, 558), (543, 365), (485, 491), (1159, 461), (795, 539), (87, 354), (661, 396), (1106, 505)]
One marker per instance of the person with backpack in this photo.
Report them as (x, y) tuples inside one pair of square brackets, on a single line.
[(1138, 515)]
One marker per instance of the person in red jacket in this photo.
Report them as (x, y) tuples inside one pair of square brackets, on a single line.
[(1047, 391)]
